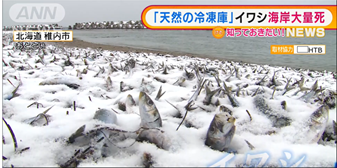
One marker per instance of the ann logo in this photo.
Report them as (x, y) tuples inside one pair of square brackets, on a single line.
[(37, 12)]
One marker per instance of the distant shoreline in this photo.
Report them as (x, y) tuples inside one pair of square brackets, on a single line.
[(84, 44)]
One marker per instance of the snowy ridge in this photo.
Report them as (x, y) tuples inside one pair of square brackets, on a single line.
[(62, 78)]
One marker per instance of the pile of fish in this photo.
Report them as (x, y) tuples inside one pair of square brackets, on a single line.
[(170, 92)]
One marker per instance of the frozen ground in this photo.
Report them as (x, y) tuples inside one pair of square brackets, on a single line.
[(54, 78)]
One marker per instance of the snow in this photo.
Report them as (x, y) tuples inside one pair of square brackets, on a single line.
[(47, 144)]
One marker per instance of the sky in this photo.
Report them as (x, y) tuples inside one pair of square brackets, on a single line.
[(118, 10)]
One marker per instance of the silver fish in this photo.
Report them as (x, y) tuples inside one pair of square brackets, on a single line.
[(261, 81), (278, 120), (287, 87), (41, 119), (306, 97), (130, 101), (109, 83), (311, 93), (318, 121), (147, 87), (79, 132), (180, 81), (159, 94), (237, 75), (129, 104), (231, 98), (69, 81), (330, 132), (189, 75), (273, 81), (109, 135), (123, 87), (209, 95), (106, 116), (13, 94), (223, 108), (150, 117), (156, 137), (330, 99), (221, 131)]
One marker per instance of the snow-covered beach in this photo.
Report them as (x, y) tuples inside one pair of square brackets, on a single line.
[(76, 82)]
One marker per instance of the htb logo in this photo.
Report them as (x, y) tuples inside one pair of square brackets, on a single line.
[(37, 12)]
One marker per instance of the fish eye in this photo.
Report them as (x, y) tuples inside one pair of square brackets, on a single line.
[(149, 102)]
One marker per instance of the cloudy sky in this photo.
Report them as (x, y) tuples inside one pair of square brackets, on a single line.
[(116, 10)]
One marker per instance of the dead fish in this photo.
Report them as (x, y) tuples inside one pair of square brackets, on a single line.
[(220, 132), (189, 75), (68, 62), (110, 135), (112, 68), (13, 94), (217, 79), (231, 98), (150, 117), (121, 106), (311, 93), (101, 70), (278, 120), (237, 75), (123, 87), (251, 147), (262, 80), (147, 87), (159, 79), (147, 160), (109, 83), (200, 85), (3, 76), (209, 95), (130, 101), (156, 137), (79, 156), (106, 116), (330, 132), (318, 122), (85, 71), (165, 70), (131, 63), (273, 81), (85, 62), (79, 132), (223, 108), (41, 119), (330, 99), (159, 94), (69, 81), (129, 104), (301, 86), (79, 74), (258, 91), (287, 87), (180, 81)]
